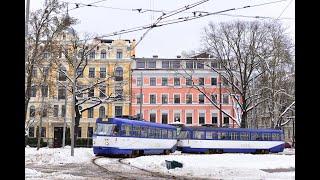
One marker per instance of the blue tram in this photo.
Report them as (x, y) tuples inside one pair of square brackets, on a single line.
[(119, 136), (238, 140)]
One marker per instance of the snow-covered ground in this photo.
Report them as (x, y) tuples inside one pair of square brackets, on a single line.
[(55, 161)]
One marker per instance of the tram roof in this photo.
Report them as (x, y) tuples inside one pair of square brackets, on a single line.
[(202, 128)]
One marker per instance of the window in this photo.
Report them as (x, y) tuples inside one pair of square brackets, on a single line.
[(225, 120), (92, 54), (102, 91), (119, 74), (46, 55), (201, 118), (214, 118), (234, 135), (152, 99), (44, 90), (62, 72), (34, 72), (164, 81), (102, 112), (175, 64), (214, 64), (90, 113), (61, 92), (144, 131), (32, 111), (177, 81), (225, 99), (208, 135), (176, 117), (201, 99), (31, 131), (200, 65), (165, 64), (91, 92), (275, 137), (102, 72), (151, 64), (213, 81), (139, 82), (126, 130), (169, 134), (118, 110), (79, 72), (63, 111), (164, 118), (91, 72), (152, 117), (189, 99), (55, 110), (164, 98), (33, 91), (80, 53), (189, 64), (79, 132), (214, 98), (140, 64), (103, 54), (176, 99), (189, 81), (138, 99), (201, 81), (244, 136), (90, 132), (164, 133), (44, 112), (46, 71), (189, 118), (198, 135), (152, 81), (224, 82), (118, 90), (43, 131), (119, 54), (80, 94)]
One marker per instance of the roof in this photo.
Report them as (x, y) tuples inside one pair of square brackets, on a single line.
[(201, 128), (136, 122)]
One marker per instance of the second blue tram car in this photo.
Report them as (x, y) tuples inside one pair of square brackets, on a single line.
[(238, 140), (119, 136)]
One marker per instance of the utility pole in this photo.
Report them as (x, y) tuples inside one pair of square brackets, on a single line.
[(220, 100), (65, 118), (73, 101), (141, 97), (41, 114)]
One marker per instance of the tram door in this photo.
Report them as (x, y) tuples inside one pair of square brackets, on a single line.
[(58, 133)]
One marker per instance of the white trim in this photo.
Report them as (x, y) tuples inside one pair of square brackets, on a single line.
[(179, 98)]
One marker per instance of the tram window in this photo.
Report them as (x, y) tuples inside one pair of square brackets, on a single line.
[(208, 135), (116, 130), (223, 135), (136, 131), (275, 137), (174, 134), (164, 133), (158, 133), (266, 136), (234, 135), (169, 134), (244, 136), (125, 130), (151, 132), (214, 135), (144, 132), (198, 135), (183, 135), (255, 137)]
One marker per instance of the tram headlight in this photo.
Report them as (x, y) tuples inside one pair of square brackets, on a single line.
[(106, 141)]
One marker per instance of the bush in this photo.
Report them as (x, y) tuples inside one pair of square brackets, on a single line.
[(83, 142), (33, 142)]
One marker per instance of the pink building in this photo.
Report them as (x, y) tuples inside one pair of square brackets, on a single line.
[(168, 95)]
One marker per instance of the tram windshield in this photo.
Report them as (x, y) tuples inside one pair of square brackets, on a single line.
[(104, 129), (183, 135)]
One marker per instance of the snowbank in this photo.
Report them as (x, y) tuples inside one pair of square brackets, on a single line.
[(226, 166), (58, 155)]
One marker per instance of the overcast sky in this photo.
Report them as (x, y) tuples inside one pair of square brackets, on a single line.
[(168, 41)]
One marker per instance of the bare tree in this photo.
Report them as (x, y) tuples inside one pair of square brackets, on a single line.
[(46, 24)]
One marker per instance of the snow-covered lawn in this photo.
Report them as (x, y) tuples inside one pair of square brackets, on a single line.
[(215, 166)]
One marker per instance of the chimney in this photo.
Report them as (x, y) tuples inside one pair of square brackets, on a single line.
[(155, 56), (178, 56)]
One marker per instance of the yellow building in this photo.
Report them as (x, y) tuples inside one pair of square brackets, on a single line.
[(108, 58)]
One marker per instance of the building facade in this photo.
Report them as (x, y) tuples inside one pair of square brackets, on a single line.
[(168, 93), (108, 58)]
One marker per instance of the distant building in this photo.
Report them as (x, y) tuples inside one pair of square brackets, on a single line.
[(168, 95)]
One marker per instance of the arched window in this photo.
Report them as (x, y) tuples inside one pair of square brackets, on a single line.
[(102, 112), (62, 76), (92, 54), (103, 54), (32, 111), (119, 74)]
